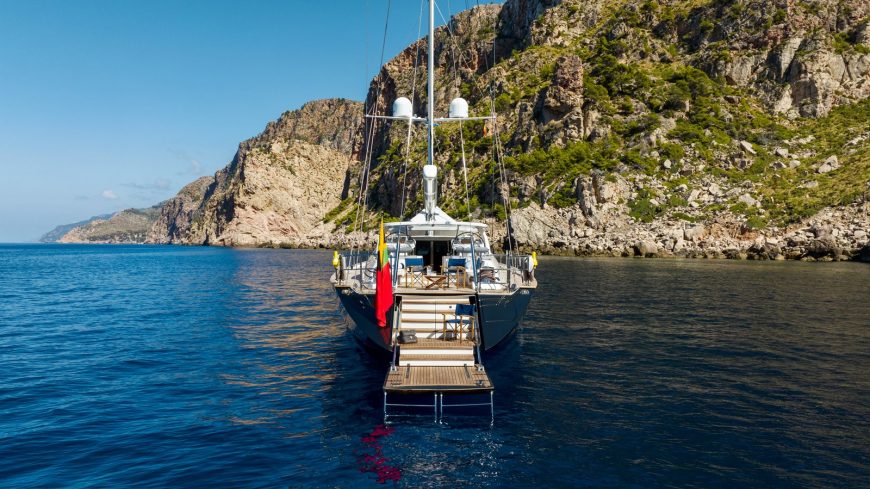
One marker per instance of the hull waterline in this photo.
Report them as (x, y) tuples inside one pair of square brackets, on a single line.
[(360, 312), (500, 315)]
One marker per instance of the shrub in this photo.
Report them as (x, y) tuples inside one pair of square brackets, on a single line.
[(503, 102), (672, 151), (684, 217), (547, 71), (642, 208), (756, 222), (564, 197)]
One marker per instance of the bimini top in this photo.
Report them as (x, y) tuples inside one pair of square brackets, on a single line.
[(439, 226)]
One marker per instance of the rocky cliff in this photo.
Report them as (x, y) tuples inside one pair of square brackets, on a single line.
[(271, 195), (277, 189), (130, 226), (741, 115), (173, 223), (689, 128)]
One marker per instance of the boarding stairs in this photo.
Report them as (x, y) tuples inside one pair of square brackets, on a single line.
[(444, 361)]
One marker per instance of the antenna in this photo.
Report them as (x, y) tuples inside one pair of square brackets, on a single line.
[(403, 111)]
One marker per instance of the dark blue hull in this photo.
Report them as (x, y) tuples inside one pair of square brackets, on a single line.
[(501, 314), (499, 317), (361, 311)]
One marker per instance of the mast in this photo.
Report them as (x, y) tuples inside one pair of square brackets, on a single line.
[(430, 83), (430, 171)]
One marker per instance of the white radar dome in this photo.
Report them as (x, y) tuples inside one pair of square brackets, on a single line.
[(458, 108), (402, 108), (430, 171)]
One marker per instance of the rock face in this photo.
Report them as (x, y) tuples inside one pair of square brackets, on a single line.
[(331, 123), (129, 226), (176, 214), (797, 56), (698, 129), (277, 189), (831, 235), (271, 195)]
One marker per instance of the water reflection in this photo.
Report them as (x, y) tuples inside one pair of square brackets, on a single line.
[(162, 366), (617, 359)]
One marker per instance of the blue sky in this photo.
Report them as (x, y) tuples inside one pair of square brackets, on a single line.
[(111, 104)]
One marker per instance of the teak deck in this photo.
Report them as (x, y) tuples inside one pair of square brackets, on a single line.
[(437, 379), (435, 343)]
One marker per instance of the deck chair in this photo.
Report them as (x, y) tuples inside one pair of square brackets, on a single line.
[(414, 270), (456, 271), (461, 320)]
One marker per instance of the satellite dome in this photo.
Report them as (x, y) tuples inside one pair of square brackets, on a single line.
[(459, 108), (402, 108)]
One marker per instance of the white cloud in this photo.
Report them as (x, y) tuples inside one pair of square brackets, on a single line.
[(158, 185), (109, 194), (194, 167)]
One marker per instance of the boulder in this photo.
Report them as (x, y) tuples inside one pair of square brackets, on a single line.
[(822, 231), (749, 200), (694, 233), (765, 251), (646, 249), (820, 248)]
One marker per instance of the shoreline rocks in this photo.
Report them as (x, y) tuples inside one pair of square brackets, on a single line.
[(833, 234)]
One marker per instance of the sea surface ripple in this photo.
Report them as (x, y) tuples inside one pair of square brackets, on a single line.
[(150, 366)]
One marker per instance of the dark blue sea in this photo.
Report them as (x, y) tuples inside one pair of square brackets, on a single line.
[(146, 366)]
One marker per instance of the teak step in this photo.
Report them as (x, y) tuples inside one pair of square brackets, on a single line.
[(436, 358), (435, 362), (435, 344), (441, 299), (430, 307), (424, 316), (449, 352)]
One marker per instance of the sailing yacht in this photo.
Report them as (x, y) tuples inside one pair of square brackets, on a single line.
[(452, 296)]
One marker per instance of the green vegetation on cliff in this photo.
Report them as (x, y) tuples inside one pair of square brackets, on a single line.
[(654, 91)]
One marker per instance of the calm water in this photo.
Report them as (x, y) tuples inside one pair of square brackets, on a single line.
[(161, 366)]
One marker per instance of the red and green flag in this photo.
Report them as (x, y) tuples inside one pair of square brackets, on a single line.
[(384, 291)]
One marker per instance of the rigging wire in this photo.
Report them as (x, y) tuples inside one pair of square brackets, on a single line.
[(464, 170), (413, 97), (498, 151), (456, 79), (365, 176), (457, 84)]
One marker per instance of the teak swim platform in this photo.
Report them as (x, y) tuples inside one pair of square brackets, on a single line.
[(442, 359)]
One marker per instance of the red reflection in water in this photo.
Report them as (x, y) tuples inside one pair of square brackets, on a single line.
[(377, 463)]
